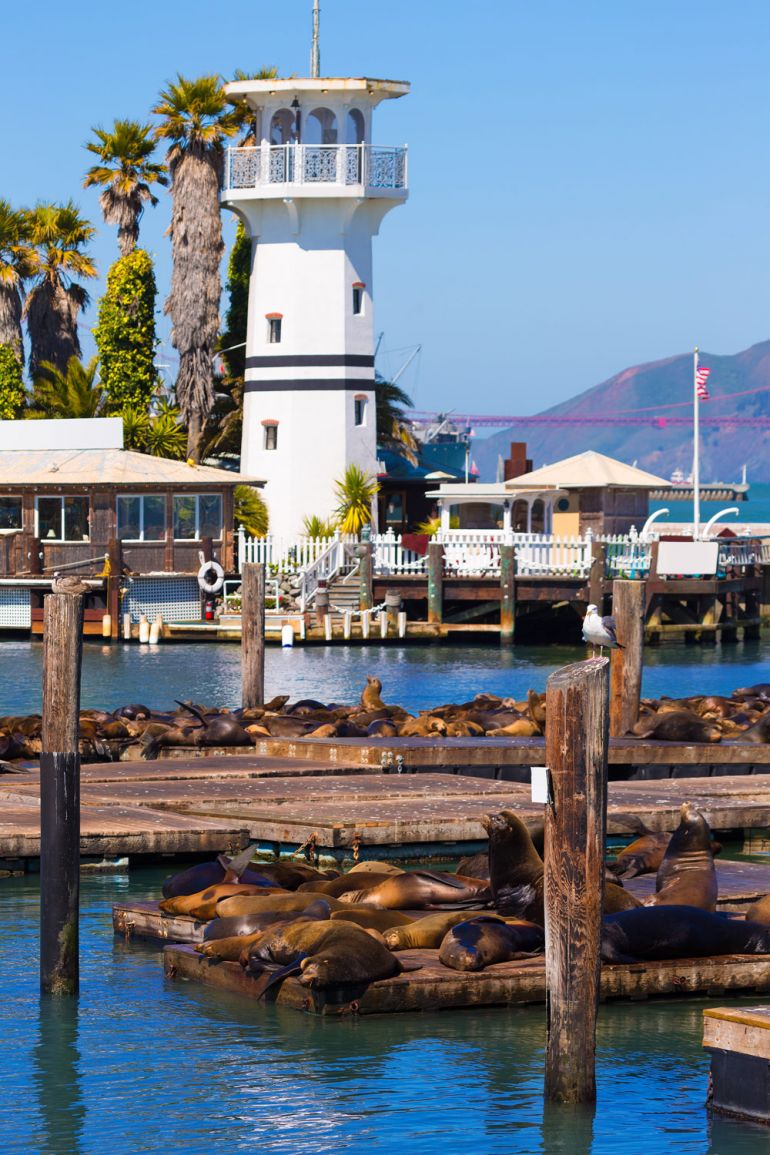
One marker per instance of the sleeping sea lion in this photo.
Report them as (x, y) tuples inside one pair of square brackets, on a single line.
[(477, 866), (222, 869), (203, 905), (422, 890), (364, 880), (677, 726), (484, 941), (323, 954), (758, 734), (382, 728), (371, 919), (661, 932), (374, 866), (515, 867), (292, 874), (242, 905), (229, 947), (759, 911), (687, 876), (425, 933)]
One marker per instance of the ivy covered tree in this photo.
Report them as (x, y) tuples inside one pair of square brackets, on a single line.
[(125, 334), (11, 385), (236, 317)]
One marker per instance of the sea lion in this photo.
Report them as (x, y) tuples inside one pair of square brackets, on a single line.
[(677, 726), (645, 854), (336, 887), (324, 954), (243, 905), (222, 869), (292, 874), (481, 942), (759, 911), (515, 868), (422, 890), (616, 898), (132, 712), (203, 905), (661, 932), (521, 728), (686, 876), (370, 695), (477, 866), (371, 919), (425, 933), (229, 947), (758, 734), (382, 728), (374, 866)]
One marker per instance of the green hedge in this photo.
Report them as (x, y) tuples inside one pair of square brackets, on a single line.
[(11, 385), (125, 334)]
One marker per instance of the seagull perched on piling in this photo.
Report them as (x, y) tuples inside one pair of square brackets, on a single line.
[(598, 631), (68, 584)]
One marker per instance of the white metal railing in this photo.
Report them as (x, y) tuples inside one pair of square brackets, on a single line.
[(373, 166), (339, 555)]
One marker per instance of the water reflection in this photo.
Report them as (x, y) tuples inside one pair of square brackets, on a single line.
[(56, 1075)]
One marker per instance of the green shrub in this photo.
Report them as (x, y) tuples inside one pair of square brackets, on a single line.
[(125, 334), (11, 385)]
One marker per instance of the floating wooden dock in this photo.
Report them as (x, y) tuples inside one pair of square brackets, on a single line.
[(435, 987), (738, 1040), (740, 884), (198, 807)]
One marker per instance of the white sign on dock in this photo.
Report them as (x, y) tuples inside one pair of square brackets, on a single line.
[(688, 558), (541, 784)]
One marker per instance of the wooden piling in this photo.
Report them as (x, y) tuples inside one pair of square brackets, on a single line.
[(596, 575), (577, 701), (253, 634), (60, 795), (507, 594), (115, 560), (435, 582), (365, 573), (628, 602)]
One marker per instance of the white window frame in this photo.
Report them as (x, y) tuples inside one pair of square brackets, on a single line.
[(197, 497), (141, 497), (363, 402), (61, 498)]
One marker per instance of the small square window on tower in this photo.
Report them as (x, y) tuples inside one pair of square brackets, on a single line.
[(359, 409), (271, 434), (274, 328), (358, 298)]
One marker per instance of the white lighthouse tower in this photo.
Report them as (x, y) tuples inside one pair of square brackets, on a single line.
[(312, 192)]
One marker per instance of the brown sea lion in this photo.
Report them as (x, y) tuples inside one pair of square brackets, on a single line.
[(616, 898), (759, 911), (382, 728), (536, 707), (645, 854), (327, 730), (203, 905), (371, 694), (375, 866), (515, 868), (422, 890), (291, 874), (686, 876), (476, 866), (425, 933), (758, 734), (362, 880), (228, 947), (521, 728), (662, 932), (677, 726), (481, 942), (324, 954), (278, 900), (371, 919), (222, 869)]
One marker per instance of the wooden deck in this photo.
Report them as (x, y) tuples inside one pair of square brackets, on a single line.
[(182, 808), (435, 987), (738, 1039)]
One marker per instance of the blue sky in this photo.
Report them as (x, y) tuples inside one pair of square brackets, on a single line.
[(589, 182)]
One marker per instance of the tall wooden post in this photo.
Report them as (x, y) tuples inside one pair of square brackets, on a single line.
[(115, 556), (507, 594), (60, 795), (435, 582), (365, 575), (575, 824), (628, 604), (596, 575), (253, 634)]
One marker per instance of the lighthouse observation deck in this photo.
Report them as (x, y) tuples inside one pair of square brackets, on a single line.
[(356, 168)]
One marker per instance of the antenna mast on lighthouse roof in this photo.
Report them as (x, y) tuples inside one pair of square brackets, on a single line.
[(315, 52)]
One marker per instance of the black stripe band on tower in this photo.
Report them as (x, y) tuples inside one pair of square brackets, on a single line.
[(309, 383), (319, 361)]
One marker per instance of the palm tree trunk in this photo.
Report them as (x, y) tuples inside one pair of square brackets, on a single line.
[(196, 287), (52, 320), (10, 320)]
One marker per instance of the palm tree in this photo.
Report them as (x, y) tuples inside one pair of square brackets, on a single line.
[(394, 430), (125, 173), (355, 492), (196, 119), (14, 269), (250, 510), (74, 392), (57, 235)]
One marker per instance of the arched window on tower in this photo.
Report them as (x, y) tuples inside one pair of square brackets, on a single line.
[(320, 127), (355, 127), (283, 126)]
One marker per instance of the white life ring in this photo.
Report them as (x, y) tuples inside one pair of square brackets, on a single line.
[(204, 580)]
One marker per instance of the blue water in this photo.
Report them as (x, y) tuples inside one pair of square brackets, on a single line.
[(757, 508), (144, 1064), (416, 676)]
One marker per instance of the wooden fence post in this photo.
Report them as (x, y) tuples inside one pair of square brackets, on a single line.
[(628, 605), (60, 795), (435, 582), (253, 634), (575, 824), (365, 575), (507, 594)]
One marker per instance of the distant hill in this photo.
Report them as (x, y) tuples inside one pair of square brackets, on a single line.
[(724, 450)]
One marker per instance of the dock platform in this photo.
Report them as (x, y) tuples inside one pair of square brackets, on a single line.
[(738, 1040), (435, 987)]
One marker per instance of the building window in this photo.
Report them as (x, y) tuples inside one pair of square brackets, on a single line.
[(359, 411), (358, 299), (62, 518), (274, 330), (142, 517), (271, 434), (394, 509), (10, 513), (197, 515)]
